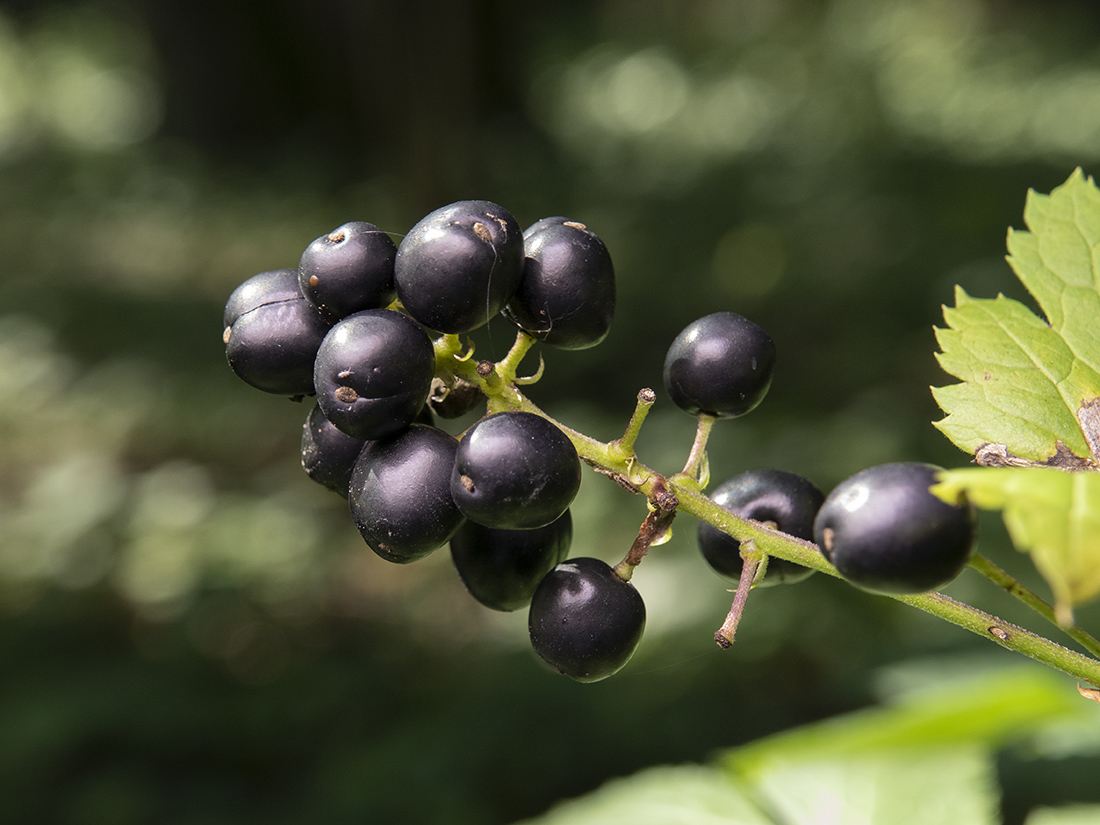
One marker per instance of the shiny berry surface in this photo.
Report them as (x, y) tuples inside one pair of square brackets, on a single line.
[(515, 471), (585, 621), (502, 568), (720, 364), (373, 373), (566, 296), (884, 531), (349, 269), (273, 333), (459, 265), (328, 455), (399, 493)]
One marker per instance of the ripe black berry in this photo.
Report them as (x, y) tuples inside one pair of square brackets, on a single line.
[(566, 296), (328, 455), (502, 568), (515, 471), (459, 265), (584, 620), (273, 286), (373, 373), (349, 269), (400, 495), (885, 532), (788, 501), (272, 333), (720, 364)]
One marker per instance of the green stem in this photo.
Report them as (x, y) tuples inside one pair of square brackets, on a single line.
[(695, 469), (646, 400), (507, 367), (750, 564), (1003, 579), (1007, 635), (669, 494)]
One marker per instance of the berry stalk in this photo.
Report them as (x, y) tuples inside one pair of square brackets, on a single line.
[(609, 459), (1002, 578)]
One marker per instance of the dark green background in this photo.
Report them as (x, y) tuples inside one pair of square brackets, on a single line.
[(193, 632)]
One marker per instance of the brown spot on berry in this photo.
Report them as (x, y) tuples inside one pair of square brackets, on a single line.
[(345, 395), (482, 231), (468, 483)]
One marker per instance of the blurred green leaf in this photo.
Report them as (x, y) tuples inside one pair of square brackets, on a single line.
[(1070, 815), (1030, 390), (1049, 513), (927, 760), (903, 786), (687, 795)]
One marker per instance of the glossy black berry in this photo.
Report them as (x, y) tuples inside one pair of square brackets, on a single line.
[(786, 501), (720, 364), (584, 620), (273, 286), (400, 495), (459, 265), (515, 471), (884, 531), (373, 373), (328, 455), (349, 269), (272, 333), (502, 568), (566, 296)]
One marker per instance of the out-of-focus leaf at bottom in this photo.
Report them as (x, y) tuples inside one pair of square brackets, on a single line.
[(927, 760), (1069, 815), (686, 795), (901, 786)]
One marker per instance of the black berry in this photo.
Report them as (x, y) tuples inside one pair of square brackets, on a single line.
[(584, 620), (373, 373), (515, 471), (502, 568), (272, 333), (273, 286), (349, 269), (787, 501), (566, 296), (459, 265), (884, 531), (720, 364), (328, 455), (400, 496)]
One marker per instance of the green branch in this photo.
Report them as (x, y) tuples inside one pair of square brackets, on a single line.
[(681, 493)]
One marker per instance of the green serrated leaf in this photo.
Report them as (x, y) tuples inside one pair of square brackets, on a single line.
[(1030, 389), (1051, 514)]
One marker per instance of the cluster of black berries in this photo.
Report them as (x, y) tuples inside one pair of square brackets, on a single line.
[(354, 325), (362, 325)]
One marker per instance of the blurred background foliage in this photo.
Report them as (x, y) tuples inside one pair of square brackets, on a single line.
[(192, 631)]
